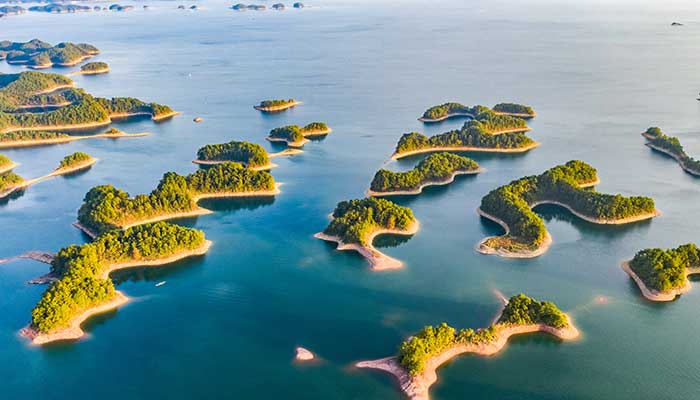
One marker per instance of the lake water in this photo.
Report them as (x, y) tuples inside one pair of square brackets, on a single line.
[(226, 325)]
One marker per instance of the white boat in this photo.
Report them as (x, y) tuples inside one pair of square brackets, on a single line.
[(161, 283)]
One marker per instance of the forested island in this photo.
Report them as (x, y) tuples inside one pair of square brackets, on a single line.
[(671, 146), (106, 208), (70, 108), (41, 138), (449, 110), (526, 236), (83, 287), (356, 223), (55, 8), (436, 169), (663, 274), (94, 68), (487, 132), (39, 54), (249, 154), (276, 105), (296, 136), (422, 354)]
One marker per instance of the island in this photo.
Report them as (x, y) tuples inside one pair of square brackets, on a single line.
[(303, 354), (525, 234), (35, 101), (94, 68), (421, 355), (271, 106), (450, 110), (11, 10), (6, 165), (278, 6), (55, 8), (119, 7), (249, 154), (42, 138), (296, 136), (671, 146), (11, 182), (298, 5), (356, 223), (662, 275), (39, 54), (488, 132), (436, 169), (82, 287), (107, 208)]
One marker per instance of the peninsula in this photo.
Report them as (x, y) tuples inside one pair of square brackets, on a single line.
[(421, 355), (39, 54), (272, 106), (450, 110), (42, 138), (436, 169), (106, 208), (525, 234), (487, 132), (663, 274), (671, 146), (249, 154), (296, 136), (83, 287), (356, 223)]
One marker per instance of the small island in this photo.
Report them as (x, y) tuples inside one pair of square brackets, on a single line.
[(119, 7), (6, 165), (11, 10), (296, 136), (450, 110), (107, 208), (303, 354), (662, 275), (271, 106), (525, 234), (55, 8), (298, 5), (38, 54), (671, 146), (356, 223), (421, 355), (249, 154), (82, 287), (278, 6), (94, 68), (436, 169), (42, 138)]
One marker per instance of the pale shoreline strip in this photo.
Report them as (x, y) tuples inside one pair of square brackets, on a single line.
[(74, 331), (67, 139), (472, 116), (278, 108), (96, 124), (419, 190), (418, 387), (531, 146), (91, 72), (7, 168), (268, 166), (57, 172), (378, 261), (655, 295)]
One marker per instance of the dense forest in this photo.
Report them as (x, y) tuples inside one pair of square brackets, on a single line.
[(276, 103), (105, 207), (431, 341), (673, 145), (79, 268), (355, 219), (444, 110), (74, 159), (4, 161), (17, 136), (665, 270), (295, 133), (434, 168), (39, 53), (252, 155), (514, 108), (94, 66), (511, 203), (8, 180)]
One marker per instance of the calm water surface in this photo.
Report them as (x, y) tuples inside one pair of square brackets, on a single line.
[(225, 325)]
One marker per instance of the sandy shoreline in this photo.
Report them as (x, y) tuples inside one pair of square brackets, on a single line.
[(482, 248), (519, 115), (43, 142), (378, 261), (598, 221), (9, 167), (418, 387), (419, 190), (74, 331), (57, 172), (655, 295), (92, 72), (447, 116), (53, 89), (268, 166), (88, 125), (675, 157), (278, 108), (397, 156)]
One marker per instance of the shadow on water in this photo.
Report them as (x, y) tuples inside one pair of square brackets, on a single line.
[(76, 174), (552, 212), (431, 192), (13, 196), (236, 203), (390, 240), (660, 154), (150, 274)]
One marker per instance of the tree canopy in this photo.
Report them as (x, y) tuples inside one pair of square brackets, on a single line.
[(665, 270), (434, 168), (354, 220)]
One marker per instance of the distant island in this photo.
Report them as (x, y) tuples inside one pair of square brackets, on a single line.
[(421, 355), (119, 7), (249, 154), (61, 106), (296, 136), (39, 54), (278, 6), (671, 146), (93, 68), (663, 274), (11, 10), (42, 138), (436, 169), (449, 110), (276, 105), (356, 223), (525, 234), (106, 208), (487, 132), (11, 182), (83, 287), (253, 7), (55, 8)]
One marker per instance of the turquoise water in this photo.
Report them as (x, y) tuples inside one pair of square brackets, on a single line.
[(225, 325)]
